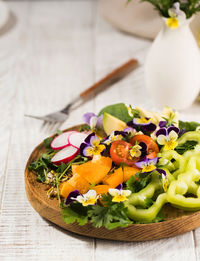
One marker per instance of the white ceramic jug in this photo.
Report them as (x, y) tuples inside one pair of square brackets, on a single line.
[(172, 68)]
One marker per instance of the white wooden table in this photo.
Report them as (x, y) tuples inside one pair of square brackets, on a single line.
[(53, 51)]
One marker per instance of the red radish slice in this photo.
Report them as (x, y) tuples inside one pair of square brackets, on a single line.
[(61, 141), (65, 155), (76, 138)]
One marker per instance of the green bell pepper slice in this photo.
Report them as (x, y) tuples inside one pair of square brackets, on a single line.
[(185, 184), (137, 200)]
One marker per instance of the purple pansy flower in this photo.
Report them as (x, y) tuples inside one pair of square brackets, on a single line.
[(71, 197), (91, 146), (162, 124), (130, 130), (166, 131), (93, 120), (139, 150), (142, 121), (168, 137), (89, 198), (149, 165), (144, 124), (115, 135), (118, 194), (119, 187)]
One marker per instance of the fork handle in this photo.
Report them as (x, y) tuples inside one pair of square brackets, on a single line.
[(110, 78)]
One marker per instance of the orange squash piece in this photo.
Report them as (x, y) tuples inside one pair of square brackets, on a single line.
[(119, 176), (86, 174), (94, 170), (130, 171), (65, 188), (74, 167), (79, 183), (75, 182), (101, 189)]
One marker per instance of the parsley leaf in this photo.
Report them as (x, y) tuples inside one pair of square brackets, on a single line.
[(111, 216), (138, 182), (40, 167), (75, 213)]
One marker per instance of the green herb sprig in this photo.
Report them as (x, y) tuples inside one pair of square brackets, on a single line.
[(112, 215), (189, 7)]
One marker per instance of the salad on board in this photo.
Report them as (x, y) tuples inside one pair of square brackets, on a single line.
[(122, 167)]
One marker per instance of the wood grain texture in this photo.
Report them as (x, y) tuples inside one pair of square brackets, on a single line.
[(54, 51)]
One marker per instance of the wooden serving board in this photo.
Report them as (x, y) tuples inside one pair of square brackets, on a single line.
[(177, 221)]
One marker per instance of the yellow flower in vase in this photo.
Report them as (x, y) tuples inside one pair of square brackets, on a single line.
[(172, 22), (176, 16)]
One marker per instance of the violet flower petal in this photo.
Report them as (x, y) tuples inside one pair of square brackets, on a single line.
[(162, 171), (72, 194), (142, 163), (130, 130), (87, 140), (173, 128), (149, 128), (143, 150), (100, 122), (85, 152), (123, 133), (162, 124), (82, 147), (161, 131), (182, 131), (119, 187), (143, 145), (87, 116), (131, 124), (153, 161)]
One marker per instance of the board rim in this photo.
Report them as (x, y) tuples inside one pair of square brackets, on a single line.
[(132, 233)]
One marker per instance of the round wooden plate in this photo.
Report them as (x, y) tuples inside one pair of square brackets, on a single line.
[(177, 221)]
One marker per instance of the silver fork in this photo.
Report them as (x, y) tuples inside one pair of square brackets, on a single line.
[(114, 76)]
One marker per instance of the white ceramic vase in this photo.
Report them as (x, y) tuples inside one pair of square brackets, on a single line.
[(172, 68)]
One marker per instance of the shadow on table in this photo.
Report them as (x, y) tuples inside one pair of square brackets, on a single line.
[(12, 21)]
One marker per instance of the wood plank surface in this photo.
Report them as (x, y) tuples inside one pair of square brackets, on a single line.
[(53, 51)]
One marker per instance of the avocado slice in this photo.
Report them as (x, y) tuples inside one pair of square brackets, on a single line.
[(111, 123)]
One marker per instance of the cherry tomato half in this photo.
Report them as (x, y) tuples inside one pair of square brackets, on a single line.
[(119, 152), (152, 147)]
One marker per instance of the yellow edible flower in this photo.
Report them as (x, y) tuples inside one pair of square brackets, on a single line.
[(148, 168), (90, 198), (135, 151), (119, 195), (169, 141)]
